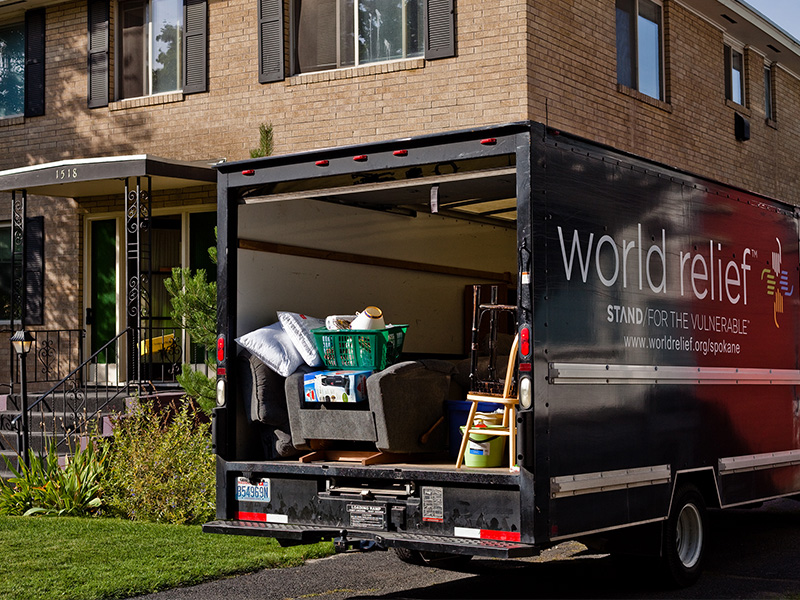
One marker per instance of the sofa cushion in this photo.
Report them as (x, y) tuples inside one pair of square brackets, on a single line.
[(408, 401), (325, 422), (264, 399)]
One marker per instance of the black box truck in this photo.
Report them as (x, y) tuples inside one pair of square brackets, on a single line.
[(657, 375)]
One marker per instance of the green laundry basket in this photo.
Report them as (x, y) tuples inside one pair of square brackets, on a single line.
[(485, 450)]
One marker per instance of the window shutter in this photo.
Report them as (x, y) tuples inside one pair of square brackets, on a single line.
[(270, 41), (34, 62), (34, 259), (440, 27), (98, 53), (195, 57)]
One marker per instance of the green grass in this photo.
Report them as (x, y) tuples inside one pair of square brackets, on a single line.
[(85, 559)]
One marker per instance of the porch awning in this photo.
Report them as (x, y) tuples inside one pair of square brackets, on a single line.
[(80, 178)]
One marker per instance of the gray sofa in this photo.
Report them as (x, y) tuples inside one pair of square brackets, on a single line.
[(405, 401), (264, 399)]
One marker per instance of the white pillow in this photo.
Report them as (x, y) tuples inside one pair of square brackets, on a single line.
[(299, 329), (273, 347)]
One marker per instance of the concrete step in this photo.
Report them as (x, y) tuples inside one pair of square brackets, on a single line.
[(12, 457), (89, 399), (54, 426)]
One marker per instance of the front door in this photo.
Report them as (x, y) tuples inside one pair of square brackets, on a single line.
[(102, 311), (172, 241)]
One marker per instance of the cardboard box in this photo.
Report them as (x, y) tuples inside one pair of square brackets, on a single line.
[(336, 386)]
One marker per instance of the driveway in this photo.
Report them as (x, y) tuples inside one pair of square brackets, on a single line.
[(752, 554)]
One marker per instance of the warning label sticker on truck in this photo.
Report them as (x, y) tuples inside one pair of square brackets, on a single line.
[(371, 516), (433, 504)]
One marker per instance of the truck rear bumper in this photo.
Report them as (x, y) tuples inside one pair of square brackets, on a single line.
[(308, 534)]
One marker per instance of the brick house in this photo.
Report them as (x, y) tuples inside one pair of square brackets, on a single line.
[(112, 110)]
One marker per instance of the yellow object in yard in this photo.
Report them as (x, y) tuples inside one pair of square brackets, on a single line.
[(157, 344)]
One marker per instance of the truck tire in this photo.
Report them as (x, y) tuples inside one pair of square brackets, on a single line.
[(441, 560), (685, 537)]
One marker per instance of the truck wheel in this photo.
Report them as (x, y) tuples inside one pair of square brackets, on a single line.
[(684, 538), (441, 560)]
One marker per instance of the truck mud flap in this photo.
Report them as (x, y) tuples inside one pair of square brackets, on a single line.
[(309, 534)]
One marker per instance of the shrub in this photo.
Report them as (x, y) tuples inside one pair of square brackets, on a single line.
[(44, 488), (161, 467)]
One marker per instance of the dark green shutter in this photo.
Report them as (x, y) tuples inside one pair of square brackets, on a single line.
[(195, 57), (270, 40), (34, 277), (440, 38), (98, 53), (34, 62)]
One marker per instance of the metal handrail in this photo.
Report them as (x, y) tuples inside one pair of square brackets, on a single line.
[(73, 378), (54, 350), (154, 355)]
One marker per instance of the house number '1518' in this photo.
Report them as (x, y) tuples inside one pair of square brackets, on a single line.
[(67, 173)]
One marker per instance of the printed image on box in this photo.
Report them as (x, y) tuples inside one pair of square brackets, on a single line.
[(336, 386)]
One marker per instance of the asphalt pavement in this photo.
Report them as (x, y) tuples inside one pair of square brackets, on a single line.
[(752, 554)]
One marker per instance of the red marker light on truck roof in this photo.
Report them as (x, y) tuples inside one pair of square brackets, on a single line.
[(248, 172), (360, 158), (489, 141), (400, 152), (525, 341), (322, 163)]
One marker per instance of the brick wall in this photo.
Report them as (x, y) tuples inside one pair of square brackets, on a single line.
[(551, 61), (573, 83), (484, 85)]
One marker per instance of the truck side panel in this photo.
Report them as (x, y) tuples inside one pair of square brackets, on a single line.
[(669, 327)]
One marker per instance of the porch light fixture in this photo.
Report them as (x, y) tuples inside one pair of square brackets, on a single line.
[(22, 341)]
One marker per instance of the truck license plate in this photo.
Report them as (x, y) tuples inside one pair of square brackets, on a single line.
[(248, 492)]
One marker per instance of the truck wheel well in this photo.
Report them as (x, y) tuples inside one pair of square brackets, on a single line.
[(704, 481)]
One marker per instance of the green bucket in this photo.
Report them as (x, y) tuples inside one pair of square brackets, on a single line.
[(485, 450)]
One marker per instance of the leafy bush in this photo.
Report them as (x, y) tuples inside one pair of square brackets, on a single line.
[(45, 488), (161, 467)]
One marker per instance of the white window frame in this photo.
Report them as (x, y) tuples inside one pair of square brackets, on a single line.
[(635, 70), (731, 46), (769, 91), (9, 25), (148, 80), (356, 59)]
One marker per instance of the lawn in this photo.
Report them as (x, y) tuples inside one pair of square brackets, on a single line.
[(91, 558)]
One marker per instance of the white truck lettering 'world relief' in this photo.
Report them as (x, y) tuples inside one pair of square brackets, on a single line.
[(705, 276), (609, 279)]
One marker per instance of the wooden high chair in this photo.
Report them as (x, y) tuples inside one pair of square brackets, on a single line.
[(509, 403)]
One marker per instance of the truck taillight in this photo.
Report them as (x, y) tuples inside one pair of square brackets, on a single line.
[(221, 349), (525, 341)]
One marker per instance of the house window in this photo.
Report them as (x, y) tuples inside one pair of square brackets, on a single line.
[(330, 34), (734, 75), (639, 46), (769, 110), (150, 47), (5, 272), (12, 71)]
